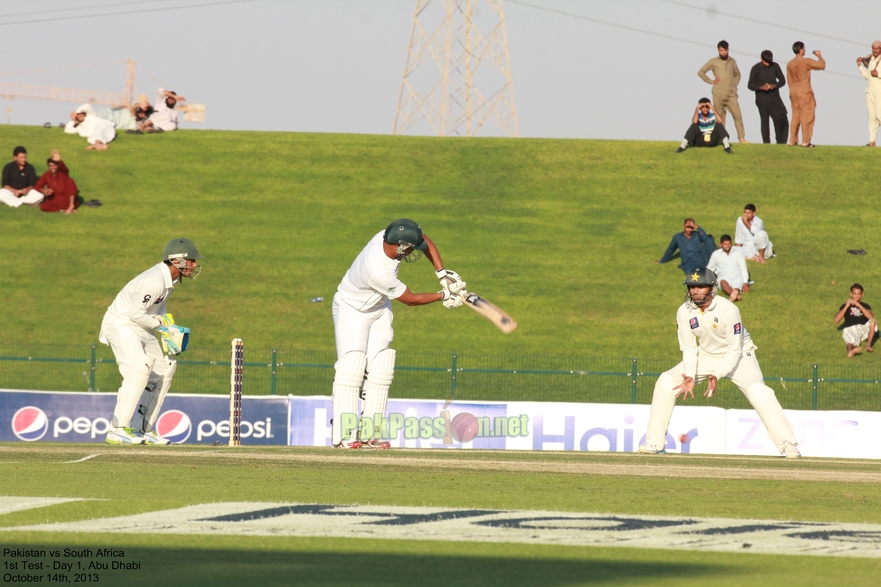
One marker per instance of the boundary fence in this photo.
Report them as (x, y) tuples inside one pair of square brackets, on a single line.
[(799, 385)]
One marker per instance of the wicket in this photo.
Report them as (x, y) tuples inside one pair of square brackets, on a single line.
[(235, 391)]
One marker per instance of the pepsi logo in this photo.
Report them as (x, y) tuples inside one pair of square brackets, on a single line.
[(30, 423), (175, 426)]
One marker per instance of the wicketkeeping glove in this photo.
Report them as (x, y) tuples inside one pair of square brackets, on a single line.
[(174, 339), (450, 280)]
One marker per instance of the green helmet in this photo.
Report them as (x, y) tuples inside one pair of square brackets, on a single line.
[(178, 251), (702, 277), (407, 236)]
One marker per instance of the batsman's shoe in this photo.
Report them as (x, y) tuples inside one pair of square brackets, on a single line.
[(647, 450), (349, 444), (153, 438), (790, 451), (123, 436), (376, 443)]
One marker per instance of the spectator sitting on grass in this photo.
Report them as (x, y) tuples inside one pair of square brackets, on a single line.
[(128, 117), (60, 189), (19, 178), (705, 129), (859, 322), (86, 123), (165, 116)]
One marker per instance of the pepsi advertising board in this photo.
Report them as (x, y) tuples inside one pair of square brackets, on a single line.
[(33, 416)]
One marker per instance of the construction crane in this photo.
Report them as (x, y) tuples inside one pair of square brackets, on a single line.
[(8, 90)]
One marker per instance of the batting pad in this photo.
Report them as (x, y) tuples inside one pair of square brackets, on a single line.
[(379, 379), (129, 395), (152, 399), (174, 339), (346, 388)]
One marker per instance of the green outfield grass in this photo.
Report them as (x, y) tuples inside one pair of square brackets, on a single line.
[(122, 481), (561, 233)]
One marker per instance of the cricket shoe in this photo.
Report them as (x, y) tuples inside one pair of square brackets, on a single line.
[(376, 443), (790, 451), (349, 444), (123, 436), (647, 450), (153, 438)]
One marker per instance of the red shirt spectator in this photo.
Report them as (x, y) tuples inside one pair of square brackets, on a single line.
[(60, 190)]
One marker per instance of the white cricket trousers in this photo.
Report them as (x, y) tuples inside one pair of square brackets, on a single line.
[(746, 375), (367, 332), (131, 345), (873, 105), (10, 199)]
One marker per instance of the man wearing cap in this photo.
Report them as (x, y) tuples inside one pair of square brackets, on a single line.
[(19, 179), (362, 319)]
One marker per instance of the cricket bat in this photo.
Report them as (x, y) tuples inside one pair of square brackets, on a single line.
[(490, 311)]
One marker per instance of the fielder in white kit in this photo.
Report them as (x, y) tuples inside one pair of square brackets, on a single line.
[(362, 319), (128, 327), (726, 350)]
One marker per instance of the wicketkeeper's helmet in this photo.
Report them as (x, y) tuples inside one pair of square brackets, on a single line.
[(178, 251), (407, 236)]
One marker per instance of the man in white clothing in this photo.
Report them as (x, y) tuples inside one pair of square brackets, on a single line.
[(128, 327), (749, 233), (97, 131), (165, 116), (730, 268), (726, 350), (869, 68), (362, 320)]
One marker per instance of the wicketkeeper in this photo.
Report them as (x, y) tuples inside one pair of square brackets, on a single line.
[(362, 319), (133, 326)]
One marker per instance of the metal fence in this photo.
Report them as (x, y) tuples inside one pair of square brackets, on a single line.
[(804, 385)]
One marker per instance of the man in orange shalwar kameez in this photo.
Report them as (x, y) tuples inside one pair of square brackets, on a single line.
[(801, 95)]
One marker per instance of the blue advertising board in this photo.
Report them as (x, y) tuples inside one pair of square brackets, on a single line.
[(33, 416)]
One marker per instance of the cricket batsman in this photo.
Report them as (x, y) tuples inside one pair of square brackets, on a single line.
[(128, 327), (362, 319), (726, 350)]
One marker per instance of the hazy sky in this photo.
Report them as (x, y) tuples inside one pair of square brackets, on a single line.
[(581, 68)]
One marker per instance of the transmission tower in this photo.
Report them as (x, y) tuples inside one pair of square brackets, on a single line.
[(457, 96)]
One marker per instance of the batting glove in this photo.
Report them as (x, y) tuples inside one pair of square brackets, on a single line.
[(450, 280)]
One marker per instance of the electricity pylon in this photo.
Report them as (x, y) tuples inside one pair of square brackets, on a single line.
[(457, 96)]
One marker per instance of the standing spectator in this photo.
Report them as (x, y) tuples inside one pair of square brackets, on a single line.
[(766, 79), (726, 77), (801, 95), (705, 129), (749, 233), (730, 268), (859, 322), (60, 189), (694, 244), (97, 131), (165, 116), (869, 68), (19, 179)]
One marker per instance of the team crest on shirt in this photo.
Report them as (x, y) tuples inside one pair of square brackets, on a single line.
[(693, 323), (737, 328), (392, 289)]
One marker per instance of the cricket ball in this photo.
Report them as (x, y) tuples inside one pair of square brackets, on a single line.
[(464, 427), (683, 439)]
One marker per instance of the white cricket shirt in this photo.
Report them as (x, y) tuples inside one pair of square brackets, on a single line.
[(372, 279), (723, 339), (142, 300)]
